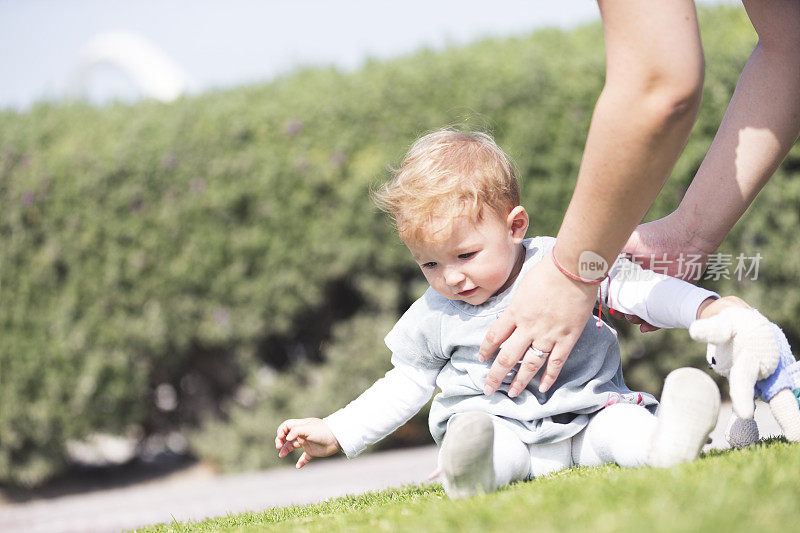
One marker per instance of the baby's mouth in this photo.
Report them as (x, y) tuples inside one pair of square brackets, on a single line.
[(469, 292)]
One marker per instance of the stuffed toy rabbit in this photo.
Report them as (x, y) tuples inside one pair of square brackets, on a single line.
[(755, 356)]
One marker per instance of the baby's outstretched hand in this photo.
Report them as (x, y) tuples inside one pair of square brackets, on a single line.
[(741, 346), (311, 434)]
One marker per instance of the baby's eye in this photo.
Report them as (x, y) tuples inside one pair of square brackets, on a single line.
[(466, 255), (428, 265)]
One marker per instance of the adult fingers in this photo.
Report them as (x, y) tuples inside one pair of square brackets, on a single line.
[(511, 352), (644, 327), (633, 319), (529, 366), (555, 362), (303, 461), (501, 330)]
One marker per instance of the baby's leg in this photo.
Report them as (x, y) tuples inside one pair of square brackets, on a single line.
[(512, 462), (548, 458), (620, 433), (630, 436), (479, 454)]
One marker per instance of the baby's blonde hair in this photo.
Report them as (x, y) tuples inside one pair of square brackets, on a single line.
[(446, 174)]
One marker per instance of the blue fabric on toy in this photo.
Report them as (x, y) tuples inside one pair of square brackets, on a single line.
[(786, 376), (779, 380)]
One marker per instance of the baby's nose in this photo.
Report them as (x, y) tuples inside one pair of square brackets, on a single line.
[(453, 277)]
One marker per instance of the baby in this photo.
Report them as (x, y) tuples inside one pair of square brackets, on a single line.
[(456, 204)]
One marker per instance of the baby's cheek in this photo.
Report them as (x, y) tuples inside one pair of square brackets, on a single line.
[(494, 278)]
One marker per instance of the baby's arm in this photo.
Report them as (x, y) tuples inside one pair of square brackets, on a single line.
[(660, 300), (380, 410), (742, 344), (711, 307)]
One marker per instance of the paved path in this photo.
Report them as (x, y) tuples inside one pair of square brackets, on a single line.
[(205, 495)]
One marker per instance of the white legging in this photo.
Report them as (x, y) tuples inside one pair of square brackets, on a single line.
[(618, 434)]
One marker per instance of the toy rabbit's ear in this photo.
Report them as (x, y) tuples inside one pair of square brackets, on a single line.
[(715, 330)]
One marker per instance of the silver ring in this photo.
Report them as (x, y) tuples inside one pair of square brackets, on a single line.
[(539, 353)]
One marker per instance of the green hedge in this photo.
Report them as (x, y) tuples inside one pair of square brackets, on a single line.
[(207, 243)]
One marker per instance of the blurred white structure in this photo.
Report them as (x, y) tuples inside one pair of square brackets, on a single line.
[(155, 74)]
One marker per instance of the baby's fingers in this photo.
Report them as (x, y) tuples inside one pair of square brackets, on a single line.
[(280, 440), (283, 429), (303, 461), (290, 446), (297, 431)]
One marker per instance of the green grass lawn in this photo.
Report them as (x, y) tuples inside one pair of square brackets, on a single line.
[(755, 489)]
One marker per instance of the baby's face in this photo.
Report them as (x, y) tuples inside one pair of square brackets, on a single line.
[(471, 260)]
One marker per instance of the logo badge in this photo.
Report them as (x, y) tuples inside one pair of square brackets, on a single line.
[(592, 266)]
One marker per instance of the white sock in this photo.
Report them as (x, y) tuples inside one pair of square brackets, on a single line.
[(619, 434)]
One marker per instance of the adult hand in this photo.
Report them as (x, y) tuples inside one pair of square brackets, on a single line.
[(666, 246), (644, 327), (548, 312)]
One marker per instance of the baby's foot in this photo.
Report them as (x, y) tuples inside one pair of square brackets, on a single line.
[(467, 455), (687, 414)]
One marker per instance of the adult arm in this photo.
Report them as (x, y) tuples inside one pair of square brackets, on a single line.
[(641, 121), (760, 126)]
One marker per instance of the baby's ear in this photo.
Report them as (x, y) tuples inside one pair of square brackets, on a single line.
[(517, 222)]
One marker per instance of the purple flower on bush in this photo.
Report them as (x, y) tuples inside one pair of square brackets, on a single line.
[(338, 159), (198, 185), (221, 316), (169, 161), (294, 127), (28, 198)]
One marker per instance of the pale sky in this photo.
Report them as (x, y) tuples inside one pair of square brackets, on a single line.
[(228, 43)]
